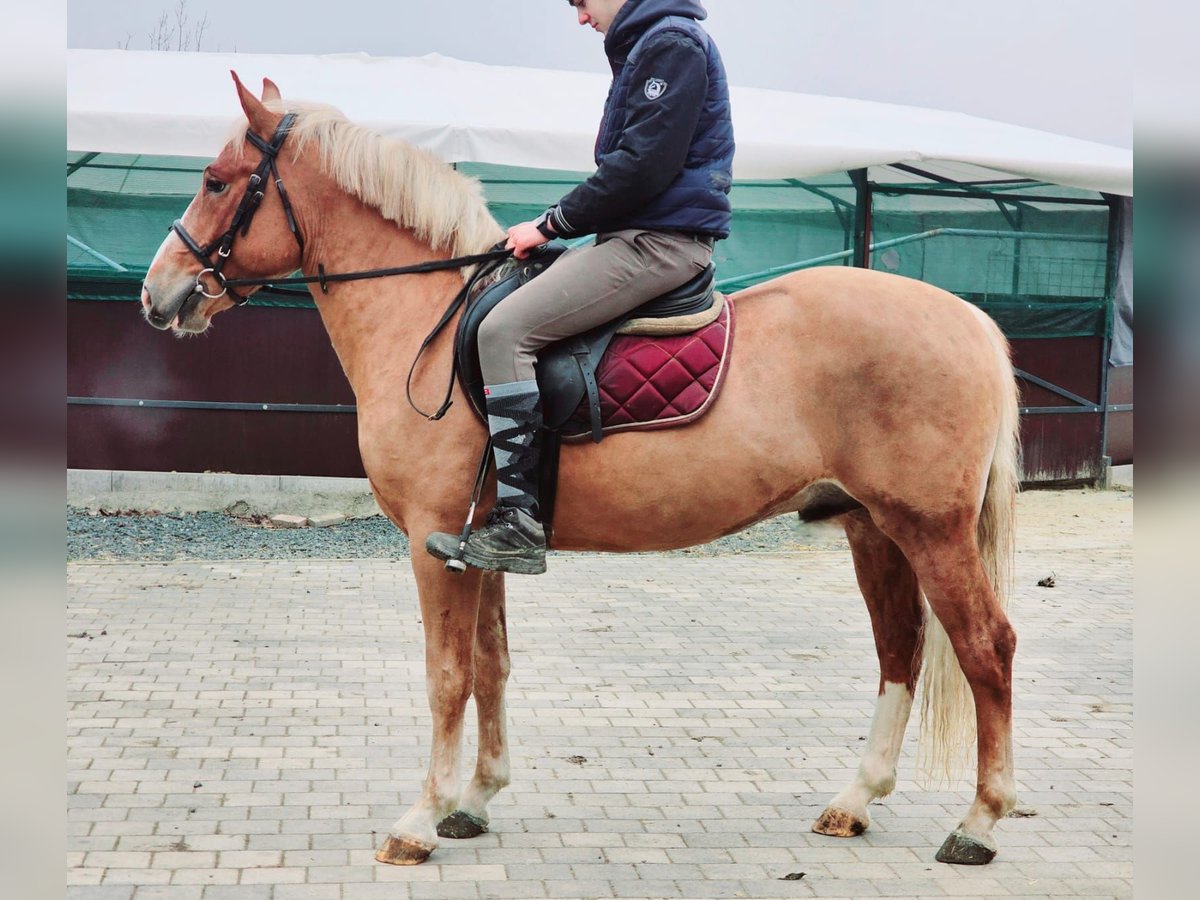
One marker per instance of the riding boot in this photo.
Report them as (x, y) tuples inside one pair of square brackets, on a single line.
[(512, 539)]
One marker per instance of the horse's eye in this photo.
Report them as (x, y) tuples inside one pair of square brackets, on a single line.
[(213, 186)]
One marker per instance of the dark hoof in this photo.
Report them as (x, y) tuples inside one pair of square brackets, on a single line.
[(963, 850), (839, 823), (403, 851), (460, 826)]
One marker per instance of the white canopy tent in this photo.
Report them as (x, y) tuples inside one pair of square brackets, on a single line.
[(183, 104)]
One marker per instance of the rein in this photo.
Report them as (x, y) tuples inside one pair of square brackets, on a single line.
[(323, 278), (459, 299), (242, 217)]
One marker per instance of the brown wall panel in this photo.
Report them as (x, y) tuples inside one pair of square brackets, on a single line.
[(1060, 449), (248, 443), (1071, 363), (1067, 447), (250, 355)]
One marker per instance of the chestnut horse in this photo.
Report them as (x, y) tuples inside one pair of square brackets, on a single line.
[(878, 399)]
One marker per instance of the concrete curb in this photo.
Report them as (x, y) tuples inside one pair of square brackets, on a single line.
[(303, 495), (1119, 478)]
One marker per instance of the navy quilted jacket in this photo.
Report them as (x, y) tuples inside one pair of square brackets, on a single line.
[(664, 153)]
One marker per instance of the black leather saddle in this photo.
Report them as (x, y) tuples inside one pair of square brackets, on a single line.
[(566, 370)]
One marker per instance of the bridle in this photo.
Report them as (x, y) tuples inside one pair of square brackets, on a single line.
[(244, 215)]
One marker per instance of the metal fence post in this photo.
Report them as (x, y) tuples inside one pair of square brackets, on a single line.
[(1110, 282), (862, 218)]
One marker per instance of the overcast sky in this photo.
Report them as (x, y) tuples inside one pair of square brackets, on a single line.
[(1058, 65)]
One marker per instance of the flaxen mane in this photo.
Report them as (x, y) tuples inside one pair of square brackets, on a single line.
[(409, 186)]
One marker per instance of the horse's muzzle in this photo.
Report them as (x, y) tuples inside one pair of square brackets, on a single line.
[(157, 319), (162, 318)]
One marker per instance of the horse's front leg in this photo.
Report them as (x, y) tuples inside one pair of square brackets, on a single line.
[(492, 771), (449, 609)]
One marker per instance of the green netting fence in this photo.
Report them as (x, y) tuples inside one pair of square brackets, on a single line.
[(1035, 257)]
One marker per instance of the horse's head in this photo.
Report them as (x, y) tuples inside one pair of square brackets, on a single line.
[(237, 226)]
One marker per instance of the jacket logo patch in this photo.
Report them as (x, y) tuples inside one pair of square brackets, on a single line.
[(655, 88)]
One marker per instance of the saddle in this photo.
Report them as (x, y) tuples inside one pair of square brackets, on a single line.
[(659, 365), (567, 370)]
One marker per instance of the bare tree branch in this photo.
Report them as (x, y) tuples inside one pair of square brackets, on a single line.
[(201, 27), (181, 19), (175, 30), (160, 37)]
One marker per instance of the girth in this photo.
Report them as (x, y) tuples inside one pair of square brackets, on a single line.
[(566, 370)]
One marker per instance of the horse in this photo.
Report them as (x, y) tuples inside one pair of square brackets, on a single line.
[(873, 401)]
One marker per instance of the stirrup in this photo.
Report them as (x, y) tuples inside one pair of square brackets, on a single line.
[(456, 565)]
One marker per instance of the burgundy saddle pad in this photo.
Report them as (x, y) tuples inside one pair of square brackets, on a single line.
[(658, 382)]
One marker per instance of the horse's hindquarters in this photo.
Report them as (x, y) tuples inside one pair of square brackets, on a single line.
[(889, 389)]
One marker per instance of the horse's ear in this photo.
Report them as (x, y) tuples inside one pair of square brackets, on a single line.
[(270, 91), (259, 117)]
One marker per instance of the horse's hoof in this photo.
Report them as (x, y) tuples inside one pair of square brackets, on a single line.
[(461, 825), (403, 851), (839, 823), (962, 849)]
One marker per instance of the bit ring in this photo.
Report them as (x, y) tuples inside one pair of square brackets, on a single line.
[(200, 284)]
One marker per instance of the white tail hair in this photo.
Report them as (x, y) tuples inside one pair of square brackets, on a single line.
[(947, 707)]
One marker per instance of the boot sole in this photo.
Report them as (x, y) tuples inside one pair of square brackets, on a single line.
[(514, 566)]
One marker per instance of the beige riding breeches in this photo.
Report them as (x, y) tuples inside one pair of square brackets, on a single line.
[(585, 287)]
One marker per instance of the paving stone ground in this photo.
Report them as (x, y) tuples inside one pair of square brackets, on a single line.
[(250, 730)]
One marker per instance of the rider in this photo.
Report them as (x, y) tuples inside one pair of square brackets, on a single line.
[(657, 201)]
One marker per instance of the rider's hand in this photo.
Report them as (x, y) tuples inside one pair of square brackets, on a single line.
[(523, 238)]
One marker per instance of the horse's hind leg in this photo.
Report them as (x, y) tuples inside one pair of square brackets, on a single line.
[(492, 666), (897, 614), (947, 561)]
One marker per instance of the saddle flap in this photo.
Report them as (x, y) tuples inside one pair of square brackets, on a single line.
[(466, 338), (564, 369)]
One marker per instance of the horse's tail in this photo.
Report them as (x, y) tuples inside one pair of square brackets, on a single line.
[(947, 708)]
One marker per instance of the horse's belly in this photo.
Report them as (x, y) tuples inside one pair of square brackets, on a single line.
[(634, 499)]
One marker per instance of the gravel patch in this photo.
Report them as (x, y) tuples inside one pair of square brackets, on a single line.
[(133, 535), (1066, 518)]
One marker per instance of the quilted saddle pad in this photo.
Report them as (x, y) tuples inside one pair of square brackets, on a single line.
[(658, 382)]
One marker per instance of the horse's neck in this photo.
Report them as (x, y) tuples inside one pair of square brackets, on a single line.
[(377, 325)]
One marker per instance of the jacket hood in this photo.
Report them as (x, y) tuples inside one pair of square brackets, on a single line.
[(638, 15)]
